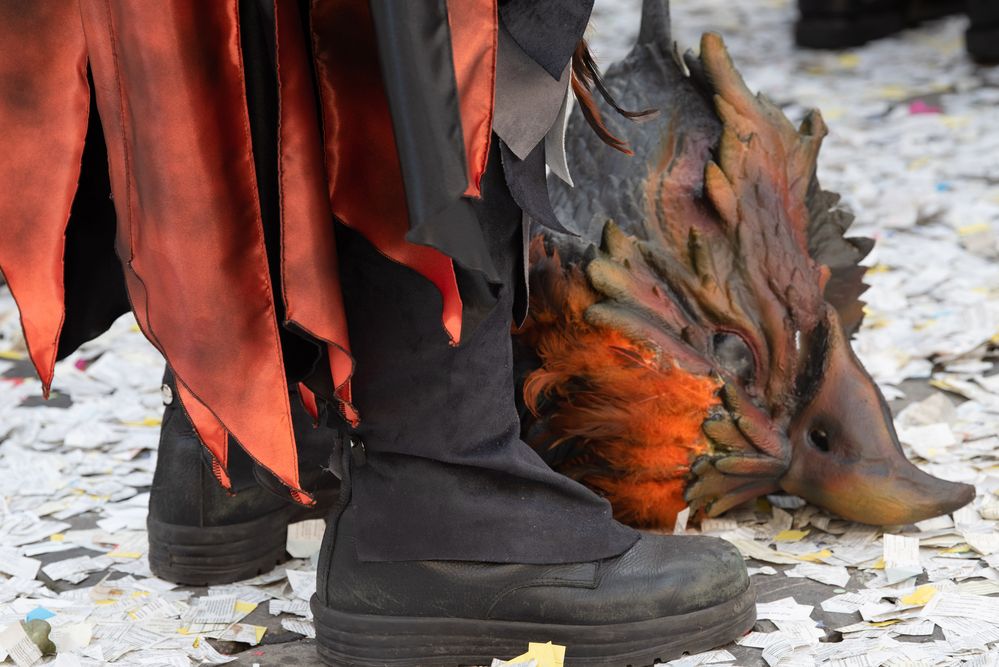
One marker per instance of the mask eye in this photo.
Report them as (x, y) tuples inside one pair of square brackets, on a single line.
[(735, 356), (819, 439)]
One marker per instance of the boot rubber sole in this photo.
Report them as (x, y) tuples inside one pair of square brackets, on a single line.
[(359, 640), (210, 555), (214, 555)]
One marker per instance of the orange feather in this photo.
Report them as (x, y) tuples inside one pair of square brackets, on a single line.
[(639, 415)]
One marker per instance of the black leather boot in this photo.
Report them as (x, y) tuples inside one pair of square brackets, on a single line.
[(840, 24), (983, 35), (199, 534), (665, 596)]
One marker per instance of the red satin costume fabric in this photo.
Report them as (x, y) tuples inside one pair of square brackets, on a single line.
[(473, 39), (170, 90), (364, 172)]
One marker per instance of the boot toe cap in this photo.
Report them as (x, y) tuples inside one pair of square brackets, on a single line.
[(659, 576), (674, 575), (707, 573)]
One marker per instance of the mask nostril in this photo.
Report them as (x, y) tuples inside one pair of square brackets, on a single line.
[(819, 439)]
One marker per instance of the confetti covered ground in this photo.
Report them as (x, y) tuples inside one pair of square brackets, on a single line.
[(913, 149)]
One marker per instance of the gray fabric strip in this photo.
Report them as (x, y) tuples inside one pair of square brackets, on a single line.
[(555, 142), (528, 100)]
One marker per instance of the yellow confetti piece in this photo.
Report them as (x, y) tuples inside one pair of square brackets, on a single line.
[(879, 564), (790, 535), (882, 624), (260, 630), (245, 607), (920, 596), (11, 355), (976, 228), (546, 655), (830, 113), (959, 549), (873, 321), (894, 93), (125, 554), (148, 421), (58, 537), (849, 60), (816, 556), (954, 122)]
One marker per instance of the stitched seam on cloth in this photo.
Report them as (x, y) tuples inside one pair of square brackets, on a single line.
[(197, 434), (344, 406), (281, 175), (20, 317), (50, 374), (258, 233), (126, 158), (484, 160), (127, 166), (474, 189), (492, 105), (320, 72), (320, 68), (129, 220)]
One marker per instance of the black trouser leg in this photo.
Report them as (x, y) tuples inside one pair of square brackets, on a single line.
[(446, 474)]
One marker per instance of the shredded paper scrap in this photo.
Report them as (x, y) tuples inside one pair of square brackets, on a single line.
[(913, 149)]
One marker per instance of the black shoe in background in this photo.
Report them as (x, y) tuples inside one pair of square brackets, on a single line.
[(841, 24), (201, 535), (983, 35)]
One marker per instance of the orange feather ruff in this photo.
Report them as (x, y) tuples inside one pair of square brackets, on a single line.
[(634, 415)]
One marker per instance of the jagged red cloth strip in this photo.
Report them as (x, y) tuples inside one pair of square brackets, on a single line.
[(169, 75)]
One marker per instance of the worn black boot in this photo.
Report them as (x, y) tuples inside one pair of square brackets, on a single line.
[(983, 35), (458, 543), (840, 24), (201, 535), (665, 596)]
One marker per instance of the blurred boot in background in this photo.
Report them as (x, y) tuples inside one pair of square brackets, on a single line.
[(983, 35), (842, 24)]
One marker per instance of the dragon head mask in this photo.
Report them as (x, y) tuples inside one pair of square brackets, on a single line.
[(692, 347)]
